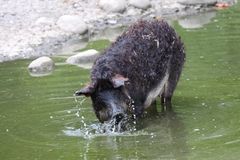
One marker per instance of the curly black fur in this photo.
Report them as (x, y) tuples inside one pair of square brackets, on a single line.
[(143, 54)]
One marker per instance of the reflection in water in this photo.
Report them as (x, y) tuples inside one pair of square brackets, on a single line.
[(198, 20), (40, 74), (165, 131), (171, 134)]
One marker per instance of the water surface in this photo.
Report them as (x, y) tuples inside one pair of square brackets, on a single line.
[(40, 118)]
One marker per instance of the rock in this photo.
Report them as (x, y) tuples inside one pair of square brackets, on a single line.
[(203, 3), (113, 5), (112, 21), (133, 12), (84, 59), (197, 21), (41, 66), (44, 21), (142, 4), (72, 23)]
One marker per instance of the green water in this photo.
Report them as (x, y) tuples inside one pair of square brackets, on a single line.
[(40, 119)]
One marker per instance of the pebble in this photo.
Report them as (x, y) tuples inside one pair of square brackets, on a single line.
[(85, 57), (197, 2), (142, 4), (72, 23), (196, 130), (113, 5), (41, 66)]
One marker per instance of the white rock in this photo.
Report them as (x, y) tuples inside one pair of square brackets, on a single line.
[(134, 12), (44, 21), (198, 2), (83, 59), (72, 23), (113, 5), (41, 66), (142, 4)]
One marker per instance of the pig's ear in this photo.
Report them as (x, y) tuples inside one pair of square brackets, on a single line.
[(87, 91), (118, 80)]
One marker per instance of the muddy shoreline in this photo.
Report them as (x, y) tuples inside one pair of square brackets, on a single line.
[(30, 29)]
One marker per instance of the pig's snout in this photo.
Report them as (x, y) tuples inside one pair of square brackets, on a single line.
[(77, 93), (118, 117)]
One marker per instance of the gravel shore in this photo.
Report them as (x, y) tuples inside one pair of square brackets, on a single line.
[(33, 28)]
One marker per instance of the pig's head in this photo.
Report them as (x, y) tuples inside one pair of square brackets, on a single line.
[(109, 98)]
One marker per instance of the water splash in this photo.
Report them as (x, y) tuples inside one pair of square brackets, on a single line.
[(110, 128), (126, 127), (101, 130)]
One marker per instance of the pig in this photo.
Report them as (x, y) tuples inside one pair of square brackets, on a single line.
[(144, 63)]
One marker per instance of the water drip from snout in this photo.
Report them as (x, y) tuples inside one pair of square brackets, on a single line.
[(78, 113), (134, 116)]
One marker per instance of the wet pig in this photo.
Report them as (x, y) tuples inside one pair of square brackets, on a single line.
[(143, 63)]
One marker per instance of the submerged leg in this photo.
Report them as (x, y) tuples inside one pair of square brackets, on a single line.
[(169, 88), (175, 69), (166, 103), (166, 96)]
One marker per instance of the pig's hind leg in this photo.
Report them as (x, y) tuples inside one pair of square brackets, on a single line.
[(169, 87), (166, 97)]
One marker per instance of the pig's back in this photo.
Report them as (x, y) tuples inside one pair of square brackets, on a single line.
[(142, 53)]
